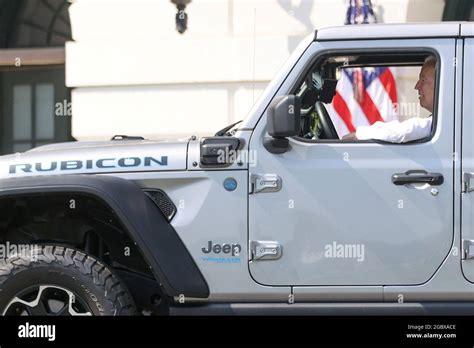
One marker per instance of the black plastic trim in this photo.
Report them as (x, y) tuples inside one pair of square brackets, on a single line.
[(417, 176), (159, 243), (328, 309)]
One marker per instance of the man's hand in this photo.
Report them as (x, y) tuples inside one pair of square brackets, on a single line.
[(350, 136)]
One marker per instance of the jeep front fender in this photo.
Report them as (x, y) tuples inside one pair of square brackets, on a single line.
[(159, 243)]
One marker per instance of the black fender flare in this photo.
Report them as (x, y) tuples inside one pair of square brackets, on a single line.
[(161, 247)]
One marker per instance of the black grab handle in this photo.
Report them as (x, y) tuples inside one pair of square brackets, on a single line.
[(417, 177)]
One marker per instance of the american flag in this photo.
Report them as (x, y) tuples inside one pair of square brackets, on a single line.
[(363, 95)]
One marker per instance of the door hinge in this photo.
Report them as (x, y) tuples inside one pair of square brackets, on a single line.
[(264, 183), (265, 250), (467, 249), (466, 182)]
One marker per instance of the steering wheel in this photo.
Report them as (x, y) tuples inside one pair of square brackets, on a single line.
[(327, 126)]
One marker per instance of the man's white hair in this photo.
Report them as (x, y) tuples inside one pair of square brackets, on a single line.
[(430, 61)]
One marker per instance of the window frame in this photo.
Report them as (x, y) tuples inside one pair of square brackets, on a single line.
[(324, 54), (62, 125)]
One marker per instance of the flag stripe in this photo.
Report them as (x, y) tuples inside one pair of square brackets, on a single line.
[(388, 82), (341, 108), (381, 98), (364, 95), (337, 121), (370, 109), (344, 87)]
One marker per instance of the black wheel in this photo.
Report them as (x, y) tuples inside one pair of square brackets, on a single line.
[(59, 281)]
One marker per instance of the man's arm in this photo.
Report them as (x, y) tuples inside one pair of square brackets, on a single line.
[(394, 131)]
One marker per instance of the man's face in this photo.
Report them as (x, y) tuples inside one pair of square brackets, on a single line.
[(425, 87)]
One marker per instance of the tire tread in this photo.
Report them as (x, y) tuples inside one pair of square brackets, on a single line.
[(102, 277)]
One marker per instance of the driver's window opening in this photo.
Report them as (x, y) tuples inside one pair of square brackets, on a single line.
[(344, 92)]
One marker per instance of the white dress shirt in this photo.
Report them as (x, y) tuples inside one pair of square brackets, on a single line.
[(396, 131)]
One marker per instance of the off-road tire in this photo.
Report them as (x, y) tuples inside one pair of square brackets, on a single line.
[(83, 275)]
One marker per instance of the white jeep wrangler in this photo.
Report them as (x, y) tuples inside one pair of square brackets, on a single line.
[(273, 215)]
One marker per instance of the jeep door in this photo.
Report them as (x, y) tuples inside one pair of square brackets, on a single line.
[(338, 217), (468, 161)]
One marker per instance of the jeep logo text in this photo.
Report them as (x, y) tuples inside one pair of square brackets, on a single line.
[(233, 249), (102, 163)]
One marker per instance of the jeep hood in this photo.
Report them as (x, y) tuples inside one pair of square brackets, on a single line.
[(96, 157)]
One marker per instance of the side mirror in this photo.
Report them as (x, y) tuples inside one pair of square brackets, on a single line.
[(283, 120)]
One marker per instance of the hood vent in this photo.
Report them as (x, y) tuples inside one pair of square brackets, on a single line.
[(163, 202)]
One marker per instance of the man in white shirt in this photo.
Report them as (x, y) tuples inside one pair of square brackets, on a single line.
[(413, 128)]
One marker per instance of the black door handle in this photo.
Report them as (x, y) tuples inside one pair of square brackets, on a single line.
[(417, 177)]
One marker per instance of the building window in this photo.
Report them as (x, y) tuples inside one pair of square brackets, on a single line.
[(35, 109), (32, 74)]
